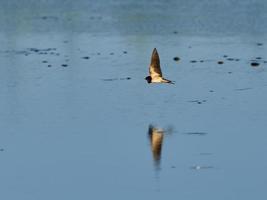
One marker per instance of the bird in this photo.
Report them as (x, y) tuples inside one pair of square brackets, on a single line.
[(155, 74)]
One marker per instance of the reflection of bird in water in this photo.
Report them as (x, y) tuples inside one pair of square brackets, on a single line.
[(155, 74), (156, 136)]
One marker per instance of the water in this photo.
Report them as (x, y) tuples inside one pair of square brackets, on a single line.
[(76, 110)]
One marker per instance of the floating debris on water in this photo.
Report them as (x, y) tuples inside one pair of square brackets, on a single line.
[(86, 57), (230, 59), (198, 101), (41, 50), (110, 79), (254, 64), (242, 89), (116, 79), (127, 78), (196, 133), (176, 58), (64, 65), (49, 18), (220, 62)]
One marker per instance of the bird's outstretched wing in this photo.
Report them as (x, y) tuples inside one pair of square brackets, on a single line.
[(154, 68)]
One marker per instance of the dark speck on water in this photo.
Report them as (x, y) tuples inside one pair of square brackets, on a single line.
[(254, 64), (175, 32), (111, 53), (125, 52), (110, 79), (42, 53), (49, 17), (220, 62), (198, 101), (230, 59), (49, 65), (86, 57), (98, 53), (258, 58), (259, 44), (196, 133), (64, 65), (44, 61), (176, 58), (225, 56), (242, 89), (193, 61), (115, 79)]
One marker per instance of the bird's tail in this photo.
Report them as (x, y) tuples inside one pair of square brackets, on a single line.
[(168, 81)]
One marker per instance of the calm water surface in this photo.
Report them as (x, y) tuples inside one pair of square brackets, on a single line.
[(78, 120)]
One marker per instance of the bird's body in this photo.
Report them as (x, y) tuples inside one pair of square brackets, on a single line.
[(155, 74)]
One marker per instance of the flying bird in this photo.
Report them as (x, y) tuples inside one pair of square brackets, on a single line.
[(155, 74)]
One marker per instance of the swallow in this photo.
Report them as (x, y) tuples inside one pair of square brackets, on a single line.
[(155, 74)]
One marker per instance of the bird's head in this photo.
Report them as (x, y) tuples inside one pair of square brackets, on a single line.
[(148, 79)]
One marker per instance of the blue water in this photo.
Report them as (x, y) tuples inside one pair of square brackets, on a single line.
[(76, 110)]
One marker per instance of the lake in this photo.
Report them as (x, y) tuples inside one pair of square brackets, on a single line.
[(78, 120)]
